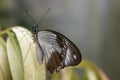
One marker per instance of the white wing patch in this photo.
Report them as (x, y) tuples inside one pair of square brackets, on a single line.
[(74, 56), (48, 43), (67, 58)]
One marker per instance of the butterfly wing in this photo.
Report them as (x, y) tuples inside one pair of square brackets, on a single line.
[(58, 50), (39, 53)]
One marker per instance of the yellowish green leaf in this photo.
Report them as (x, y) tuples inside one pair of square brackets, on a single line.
[(5, 73), (69, 74), (92, 71), (15, 57), (56, 76), (32, 70)]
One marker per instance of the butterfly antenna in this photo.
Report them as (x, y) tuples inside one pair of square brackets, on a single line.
[(44, 16), (26, 11)]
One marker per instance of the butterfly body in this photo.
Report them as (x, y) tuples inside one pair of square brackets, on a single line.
[(58, 50)]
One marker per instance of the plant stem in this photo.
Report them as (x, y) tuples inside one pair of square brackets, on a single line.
[(4, 32)]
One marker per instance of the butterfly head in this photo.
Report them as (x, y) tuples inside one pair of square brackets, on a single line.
[(35, 29)]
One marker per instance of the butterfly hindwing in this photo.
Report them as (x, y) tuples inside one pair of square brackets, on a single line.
[(58, 50), (39, 53)]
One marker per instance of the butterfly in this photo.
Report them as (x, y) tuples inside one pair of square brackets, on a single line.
[(58, 50)]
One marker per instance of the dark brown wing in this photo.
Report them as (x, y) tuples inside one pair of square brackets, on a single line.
[(58, 50)]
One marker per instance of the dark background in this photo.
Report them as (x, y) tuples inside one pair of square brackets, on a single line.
[(93, 25)]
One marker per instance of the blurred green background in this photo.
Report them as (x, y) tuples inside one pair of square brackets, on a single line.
[(93, 25)]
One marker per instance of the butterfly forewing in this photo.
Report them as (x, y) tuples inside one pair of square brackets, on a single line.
[(58, 50)]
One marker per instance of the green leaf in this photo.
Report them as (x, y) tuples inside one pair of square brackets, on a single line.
[(69, 74), (5, 73), (15, 57), (56, 76), (92, 71), (32, 70)]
